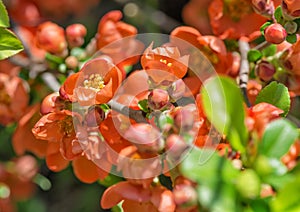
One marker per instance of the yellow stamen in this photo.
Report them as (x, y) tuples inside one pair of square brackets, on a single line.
[(95, 81)]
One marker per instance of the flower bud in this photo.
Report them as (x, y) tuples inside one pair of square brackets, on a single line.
[(94, 116), (145, 137), (51, 38), (291, 27), (265, 71), (185, 195), (72, 62), (158, 99), (75, 34), (263, 7), (184, 119), (177, 89), (175, 146), (275, 33)]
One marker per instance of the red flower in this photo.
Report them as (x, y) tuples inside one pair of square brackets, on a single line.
[(291, 9), (234, 18), (137, 198), (165, 59), (51, 38), (95, 83), (13, 99)]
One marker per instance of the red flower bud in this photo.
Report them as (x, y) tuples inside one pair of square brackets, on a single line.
[(175, 146), (184, 119), (51, 38), (185, 195), (72, 62), (275, 33), (265, 71), (158, 99), (75, 34)]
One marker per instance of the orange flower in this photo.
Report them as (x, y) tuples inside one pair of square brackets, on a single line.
[(260, 115), (95, 83), (137, 198), (13, 99), (117, 39), (165, 59), (291, 9), (234, 18), (51, 38), (23, 130), (212, 47)]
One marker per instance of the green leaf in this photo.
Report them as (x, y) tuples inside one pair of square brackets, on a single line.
[(4, 20), (264, 26), (254, 55), (9, 44), (110, 180), (278, 138), (291, 38), (205, 166), (223, 105), (288, 198), (278, 14), (54, 59), (276, 94), (269, 51), (143, 105)]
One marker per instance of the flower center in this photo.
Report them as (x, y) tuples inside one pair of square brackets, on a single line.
[(95, 81), (237, 9), (165, 62), (4, 97), (66, 126)]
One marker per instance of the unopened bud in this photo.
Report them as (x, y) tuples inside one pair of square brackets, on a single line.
[(145, 137), (265, 71), (158, 99), (71, 62), (291, 27), (175, 146), (184, 119), (51, 38), (75, 34), (275, 33), (185, 195)]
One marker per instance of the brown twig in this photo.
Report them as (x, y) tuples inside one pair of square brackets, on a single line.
[(136, 115)]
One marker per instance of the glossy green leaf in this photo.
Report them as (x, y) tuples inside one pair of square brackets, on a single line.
[(223, 105), (4, 20), (278, 138), (206, 166), (278, 14), (9, 44), (291, 38), (288, 198), (264, 26), (254, 55), (269, 51), (143, 105), (276, 94)]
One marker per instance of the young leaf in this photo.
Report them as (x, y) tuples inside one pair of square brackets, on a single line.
[(269, 51), (291, 38), (9, 44), (276, 94), (278, 138), (4, 20), (254, 55), (264, 26), (223, 105), (278, 14)]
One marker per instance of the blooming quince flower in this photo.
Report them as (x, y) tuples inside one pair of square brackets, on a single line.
[(13, 98), (165, 59), (95, 83)]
